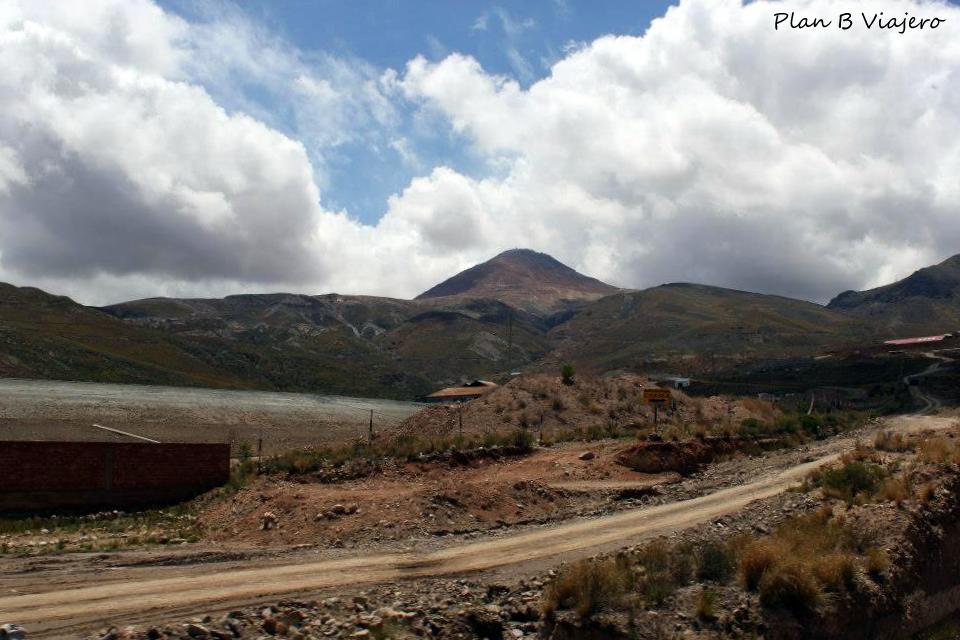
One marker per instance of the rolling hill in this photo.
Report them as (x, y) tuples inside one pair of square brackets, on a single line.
[(53, 337), (678, 322), (360, 345), (521, 309), (925, 302)]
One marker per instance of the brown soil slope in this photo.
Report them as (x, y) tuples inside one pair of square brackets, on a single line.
[(542, 402)]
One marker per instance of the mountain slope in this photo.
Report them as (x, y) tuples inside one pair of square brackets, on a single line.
[(524, 279), (351, 344), (47, 336), (677, 322), (519, 309), (926, 302)]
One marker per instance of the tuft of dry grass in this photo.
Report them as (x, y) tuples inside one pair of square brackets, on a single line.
[(878, 563), (926, 492), (706, 608), (836, 571), (756, 559), (589, 587), (790, 585), (801, 558), (896, 489), (939, 450), (891, 441)]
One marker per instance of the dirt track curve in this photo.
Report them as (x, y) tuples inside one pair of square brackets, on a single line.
[(71, 610)]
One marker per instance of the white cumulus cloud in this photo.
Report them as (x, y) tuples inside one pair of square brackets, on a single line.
[(710, 149), (716, 149)]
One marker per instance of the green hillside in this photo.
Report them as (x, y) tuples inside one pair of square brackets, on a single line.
[(682, 321)]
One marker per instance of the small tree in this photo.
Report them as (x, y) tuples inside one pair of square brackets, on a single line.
[(567, 374)]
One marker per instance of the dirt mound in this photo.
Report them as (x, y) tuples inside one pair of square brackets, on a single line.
[(542, 402), (685, 457), (658, 457)]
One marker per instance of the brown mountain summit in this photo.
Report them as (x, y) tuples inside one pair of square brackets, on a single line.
[(525, 279)]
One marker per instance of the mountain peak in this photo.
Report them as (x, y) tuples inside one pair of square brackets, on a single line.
[(527, 279)]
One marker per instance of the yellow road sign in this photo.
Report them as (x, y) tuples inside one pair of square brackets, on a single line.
[(655, 395)]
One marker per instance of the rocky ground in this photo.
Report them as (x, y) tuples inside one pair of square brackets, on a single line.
[(400, 502), (484, 606), (510, 605)]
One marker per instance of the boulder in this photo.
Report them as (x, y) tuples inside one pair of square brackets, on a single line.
[(12, 632)]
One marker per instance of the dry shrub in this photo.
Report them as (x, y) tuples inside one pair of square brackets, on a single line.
[(789, 585), (861, 453), (835, 571), (822, 545), (706, 605), (878, 562), (758, 407), (588, 587), (756, 559), (927, 492), (664, 568), (939, 450), (896, 489), (891, 441)]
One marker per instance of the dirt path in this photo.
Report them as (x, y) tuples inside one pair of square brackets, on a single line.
[(931, 404), (60, 611)]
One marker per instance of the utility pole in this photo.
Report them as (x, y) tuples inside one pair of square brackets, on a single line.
[(460, 417), (371, 426), (509, 341)]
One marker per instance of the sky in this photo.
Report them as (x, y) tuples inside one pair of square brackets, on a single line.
[(206, 147)]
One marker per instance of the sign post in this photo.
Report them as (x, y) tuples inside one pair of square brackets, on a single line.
[(657, 397)]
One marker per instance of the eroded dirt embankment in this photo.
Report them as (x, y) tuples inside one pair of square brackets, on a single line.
[(924, 586)]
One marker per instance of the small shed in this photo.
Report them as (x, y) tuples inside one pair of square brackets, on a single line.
[(468, 391)]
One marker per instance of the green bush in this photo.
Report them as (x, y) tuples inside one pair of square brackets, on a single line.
[(665, 568), (851, 479), (566, 374), (751, 427), (716, 563), (811, 425)]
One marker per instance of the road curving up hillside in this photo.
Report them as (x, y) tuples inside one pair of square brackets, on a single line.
[(124, 601)]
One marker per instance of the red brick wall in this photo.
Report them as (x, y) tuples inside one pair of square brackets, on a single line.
[(37, 476)]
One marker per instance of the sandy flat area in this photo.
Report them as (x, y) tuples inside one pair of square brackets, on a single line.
[(53, 410)]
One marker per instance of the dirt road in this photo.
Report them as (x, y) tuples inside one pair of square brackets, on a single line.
[(124, 601), (931, 404)]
